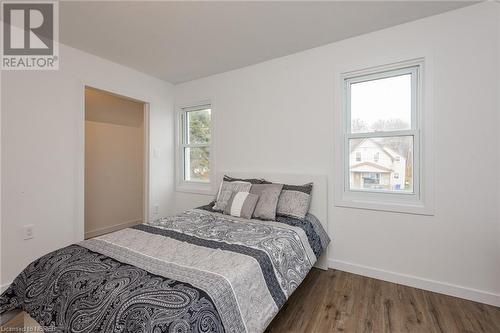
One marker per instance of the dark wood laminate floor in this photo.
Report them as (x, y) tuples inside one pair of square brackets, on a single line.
[(335, 301)]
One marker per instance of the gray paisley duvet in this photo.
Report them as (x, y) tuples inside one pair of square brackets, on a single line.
[(199, 271)]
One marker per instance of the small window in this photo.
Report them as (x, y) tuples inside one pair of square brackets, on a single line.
[(358, 156), (195, 147), (381, 113)]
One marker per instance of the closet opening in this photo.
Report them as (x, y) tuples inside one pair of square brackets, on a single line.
[(116, 185)]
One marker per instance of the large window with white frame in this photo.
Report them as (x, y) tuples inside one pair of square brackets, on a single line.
[(382, 132), (195, 152)]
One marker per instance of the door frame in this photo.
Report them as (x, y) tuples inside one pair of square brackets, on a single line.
[(80, 195)]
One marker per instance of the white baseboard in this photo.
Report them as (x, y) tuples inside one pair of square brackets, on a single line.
[(418, 282), (107, 230)]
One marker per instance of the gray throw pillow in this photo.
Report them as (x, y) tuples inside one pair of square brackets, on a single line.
[(294, 200), (268, 200), (241, 204), (223, 198)]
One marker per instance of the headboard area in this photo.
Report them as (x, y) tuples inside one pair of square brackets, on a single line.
[(319, 198)]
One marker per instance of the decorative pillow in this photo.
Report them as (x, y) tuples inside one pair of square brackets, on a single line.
[(268, 200), (241, 204), (229, 179), (223, 198), (294, 200), (249, 180)]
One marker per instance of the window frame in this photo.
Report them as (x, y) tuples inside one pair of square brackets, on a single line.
[(421, 201), (414, 130), (181, 135)]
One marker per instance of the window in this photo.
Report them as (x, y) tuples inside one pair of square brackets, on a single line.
[(384, 116), (194, 169), (382, 121), (371, 180)]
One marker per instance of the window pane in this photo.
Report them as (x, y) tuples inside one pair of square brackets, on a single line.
[(197, 164), (198, 123), (381, 105), (391, 171)]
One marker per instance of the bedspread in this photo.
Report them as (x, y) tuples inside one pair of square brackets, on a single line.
[(198, 271)]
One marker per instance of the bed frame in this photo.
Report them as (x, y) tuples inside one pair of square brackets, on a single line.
[(319, 200)]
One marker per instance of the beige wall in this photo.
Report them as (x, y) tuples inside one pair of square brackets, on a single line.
[(114, 163)]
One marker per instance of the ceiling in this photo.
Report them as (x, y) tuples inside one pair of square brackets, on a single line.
[(182, 41)]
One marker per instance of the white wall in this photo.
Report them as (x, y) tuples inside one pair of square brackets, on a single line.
[(43, 144), (278, 116)]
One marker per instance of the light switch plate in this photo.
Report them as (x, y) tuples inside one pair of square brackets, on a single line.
[(29, 231)]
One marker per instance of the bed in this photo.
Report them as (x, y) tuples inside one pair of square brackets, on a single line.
[(198, 271)]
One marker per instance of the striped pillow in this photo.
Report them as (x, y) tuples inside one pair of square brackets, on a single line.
[(241, 204), (294, 200)]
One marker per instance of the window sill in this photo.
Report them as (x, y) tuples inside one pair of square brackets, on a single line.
[(376, 202), (196, 188)]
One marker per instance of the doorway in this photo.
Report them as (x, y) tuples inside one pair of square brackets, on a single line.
[(115, 162)]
